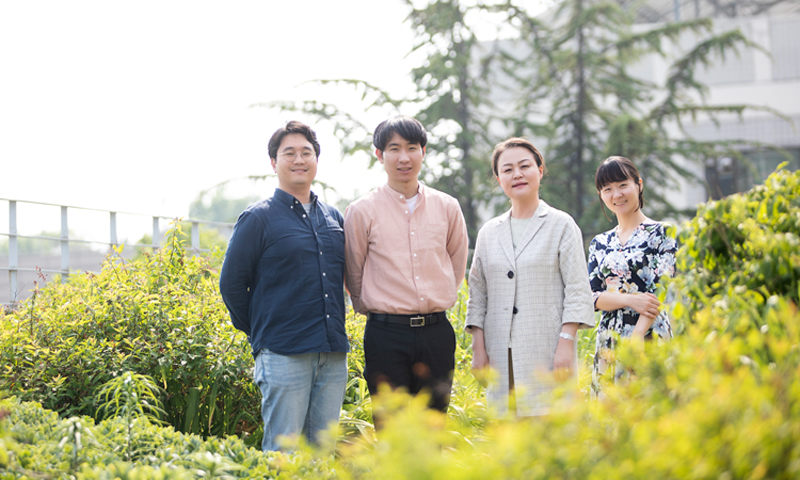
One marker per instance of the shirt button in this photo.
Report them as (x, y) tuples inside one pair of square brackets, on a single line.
[(515, 311), (415, 254), (421, 299), (304, 215), (326, 295), (510, 274), (320, 253), (406, 211), (323, 274), (416, 278), (327, 316), (412, 233)]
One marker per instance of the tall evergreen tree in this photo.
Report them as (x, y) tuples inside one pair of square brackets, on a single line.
[(577, 71), (570, 76)]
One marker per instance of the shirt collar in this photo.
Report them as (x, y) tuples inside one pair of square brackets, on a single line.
[(289, 199), (399, 197)]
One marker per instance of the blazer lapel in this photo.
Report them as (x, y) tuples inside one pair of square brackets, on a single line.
[(538, 219), (504, 236)]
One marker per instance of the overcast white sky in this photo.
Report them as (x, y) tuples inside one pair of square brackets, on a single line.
[(138, 106)]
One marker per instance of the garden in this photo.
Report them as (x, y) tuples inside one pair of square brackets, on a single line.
[(136, 372)]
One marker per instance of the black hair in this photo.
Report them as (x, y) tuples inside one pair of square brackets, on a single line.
[(617, 169), (292, 127), (409, 128)]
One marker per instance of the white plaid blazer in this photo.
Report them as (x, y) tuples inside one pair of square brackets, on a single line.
[(546, 279)]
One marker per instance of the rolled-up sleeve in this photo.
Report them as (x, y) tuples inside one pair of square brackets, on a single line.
[(477, 301), (577, 292)]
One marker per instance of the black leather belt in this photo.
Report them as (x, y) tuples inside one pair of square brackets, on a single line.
[(410, 320)]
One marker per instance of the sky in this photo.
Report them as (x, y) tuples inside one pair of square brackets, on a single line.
[(140, 106)]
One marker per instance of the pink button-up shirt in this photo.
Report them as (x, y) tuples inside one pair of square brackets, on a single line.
[(400, 262)]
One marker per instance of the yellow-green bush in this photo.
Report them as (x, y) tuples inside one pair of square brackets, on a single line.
[(159, 316), (721, 400)]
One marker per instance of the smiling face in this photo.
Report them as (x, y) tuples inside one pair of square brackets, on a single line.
[(622, 197), (295, 174), (402, 161), (518, 174)]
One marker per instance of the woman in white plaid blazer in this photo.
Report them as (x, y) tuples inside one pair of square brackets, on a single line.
[(528, 289)]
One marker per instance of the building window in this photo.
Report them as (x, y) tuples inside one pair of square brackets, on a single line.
[(729, 175)]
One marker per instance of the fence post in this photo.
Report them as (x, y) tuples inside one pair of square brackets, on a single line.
[(64, 245), (156, 235), (196, 237), (13, 254), (112, 221)]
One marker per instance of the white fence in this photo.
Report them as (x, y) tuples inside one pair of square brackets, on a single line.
[(14, 268)]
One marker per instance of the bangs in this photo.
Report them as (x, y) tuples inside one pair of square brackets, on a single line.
[(612, 171)]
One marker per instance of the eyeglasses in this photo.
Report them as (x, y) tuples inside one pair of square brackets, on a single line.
[(291, 156)]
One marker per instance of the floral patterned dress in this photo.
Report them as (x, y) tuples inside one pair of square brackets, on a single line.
[(634, 267)]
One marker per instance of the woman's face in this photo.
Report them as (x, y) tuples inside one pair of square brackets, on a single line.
[(622, 197), (518, 174)]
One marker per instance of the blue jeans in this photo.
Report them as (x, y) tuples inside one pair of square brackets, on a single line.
[(300, 394)]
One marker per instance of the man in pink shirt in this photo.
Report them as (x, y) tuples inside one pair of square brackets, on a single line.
[(406, 254)]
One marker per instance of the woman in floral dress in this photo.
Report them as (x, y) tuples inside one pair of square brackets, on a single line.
[(626, 264)]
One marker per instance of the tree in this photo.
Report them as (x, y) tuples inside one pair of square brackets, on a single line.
[(576, 91), (573, 90), (451, 99)]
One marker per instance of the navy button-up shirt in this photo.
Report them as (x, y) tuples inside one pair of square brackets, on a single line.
[(282, 278)]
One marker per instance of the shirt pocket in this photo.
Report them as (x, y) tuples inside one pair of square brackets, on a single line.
[(334, 237), (436, 234)]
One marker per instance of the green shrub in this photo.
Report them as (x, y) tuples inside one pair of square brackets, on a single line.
[(159, 316), (40, 451), (739, 252), (721, 400)]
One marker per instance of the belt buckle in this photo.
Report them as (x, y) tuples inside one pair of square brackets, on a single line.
[(417, 321)]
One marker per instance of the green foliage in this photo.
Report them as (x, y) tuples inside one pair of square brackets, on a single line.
[(741, 253), (578, 70), (38, 450), (131, 397), (720, 400), (160, 316)]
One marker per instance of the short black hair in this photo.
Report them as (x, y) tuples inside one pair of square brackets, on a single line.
[(292, 127), (407, 127), (617, 169)]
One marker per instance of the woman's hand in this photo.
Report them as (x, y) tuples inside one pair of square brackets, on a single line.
[(642, 326), (480, 359), (564, 361), (645, 304)]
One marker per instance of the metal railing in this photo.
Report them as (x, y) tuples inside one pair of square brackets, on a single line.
[(14, 268)]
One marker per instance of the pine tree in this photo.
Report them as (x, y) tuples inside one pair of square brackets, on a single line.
[(578, 94)]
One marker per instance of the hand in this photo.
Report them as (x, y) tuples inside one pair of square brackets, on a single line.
[(564, 361), (645, 304), (480, 360), (642, 326), (480, 366)]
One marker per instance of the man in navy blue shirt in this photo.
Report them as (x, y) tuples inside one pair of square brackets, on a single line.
[(282, 281)]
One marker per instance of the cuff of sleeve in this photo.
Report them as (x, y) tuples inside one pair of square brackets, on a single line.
[(595, 296)]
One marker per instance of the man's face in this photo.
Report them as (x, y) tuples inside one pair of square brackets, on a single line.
[(296, 164), (401, 160)]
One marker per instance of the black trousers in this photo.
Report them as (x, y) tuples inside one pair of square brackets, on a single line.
[(412, 358)]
